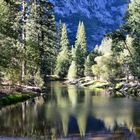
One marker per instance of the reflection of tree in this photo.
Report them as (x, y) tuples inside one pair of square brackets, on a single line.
[(82, 122), (83, 111), (59, 108), (21, 119), (72, 93), (54, 116), (63, 108), (65, 122), (113, 112)]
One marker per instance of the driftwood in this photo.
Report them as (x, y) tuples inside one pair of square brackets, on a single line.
[(25, 88), (9, 89)]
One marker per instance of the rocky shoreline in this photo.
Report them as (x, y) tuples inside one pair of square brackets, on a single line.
[(120, 89), (128, 89), (12, 95)]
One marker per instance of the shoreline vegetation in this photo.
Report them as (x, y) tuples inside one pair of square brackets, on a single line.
[(34, 48), (14, 94), (120, 89)]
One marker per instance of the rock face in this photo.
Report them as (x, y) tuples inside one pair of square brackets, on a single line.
[(99, 16)]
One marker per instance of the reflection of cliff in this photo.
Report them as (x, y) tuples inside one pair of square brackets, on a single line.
[(67, 111)]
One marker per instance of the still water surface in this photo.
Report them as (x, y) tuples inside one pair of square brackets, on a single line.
[(68, 112)]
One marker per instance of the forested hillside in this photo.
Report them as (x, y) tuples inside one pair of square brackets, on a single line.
[(99, 17), (33, 47)]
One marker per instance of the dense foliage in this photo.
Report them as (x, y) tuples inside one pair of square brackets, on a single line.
[(28, 41), (32, 47)]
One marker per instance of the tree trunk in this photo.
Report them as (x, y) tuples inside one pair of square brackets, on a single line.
[(22, 70), (23, 63)]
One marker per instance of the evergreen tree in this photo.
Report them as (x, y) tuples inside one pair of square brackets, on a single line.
[(88, 67), (20, 28), (63, 58), (59, 33), (81, 37), (8, 37), (81, 49), (42, 35), (72, 73), (31, 39)]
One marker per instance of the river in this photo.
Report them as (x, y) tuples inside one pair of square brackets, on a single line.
[(70, 112)]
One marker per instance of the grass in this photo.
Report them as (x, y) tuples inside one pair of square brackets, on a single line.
[(15, 98)]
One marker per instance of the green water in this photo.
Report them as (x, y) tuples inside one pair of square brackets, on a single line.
[(69, 112)]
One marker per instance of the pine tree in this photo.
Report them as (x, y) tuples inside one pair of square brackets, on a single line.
[(81, 37), (88, 67), (59, 33), (81, 49), (42, 35), (20, 28), (131, 28), (63, 58), (8, 39), (72, 73), (27, 38), (36, 36)]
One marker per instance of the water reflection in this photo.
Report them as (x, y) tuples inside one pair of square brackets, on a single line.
[(71, 111)]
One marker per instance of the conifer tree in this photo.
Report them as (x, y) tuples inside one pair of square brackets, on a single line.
[(42, 35), (20, 28), (81, 49), (88, 67), (27, 38), (9, 63), (72, 73), (63, 58)]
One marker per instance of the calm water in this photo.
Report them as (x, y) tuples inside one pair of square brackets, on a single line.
[(68, 112)]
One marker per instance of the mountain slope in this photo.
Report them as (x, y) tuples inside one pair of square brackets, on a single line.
[(99, 16)]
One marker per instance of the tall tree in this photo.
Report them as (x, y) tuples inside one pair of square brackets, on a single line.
[(81, 49), (42, 35), (59, 33), (72, 73), (8, 37), (88, 66), (63, 58), (133, 28), (31, 37)]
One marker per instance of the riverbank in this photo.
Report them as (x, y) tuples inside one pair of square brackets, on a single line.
[(127, 89), (66, 105), (118, 89), (14, 94)]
